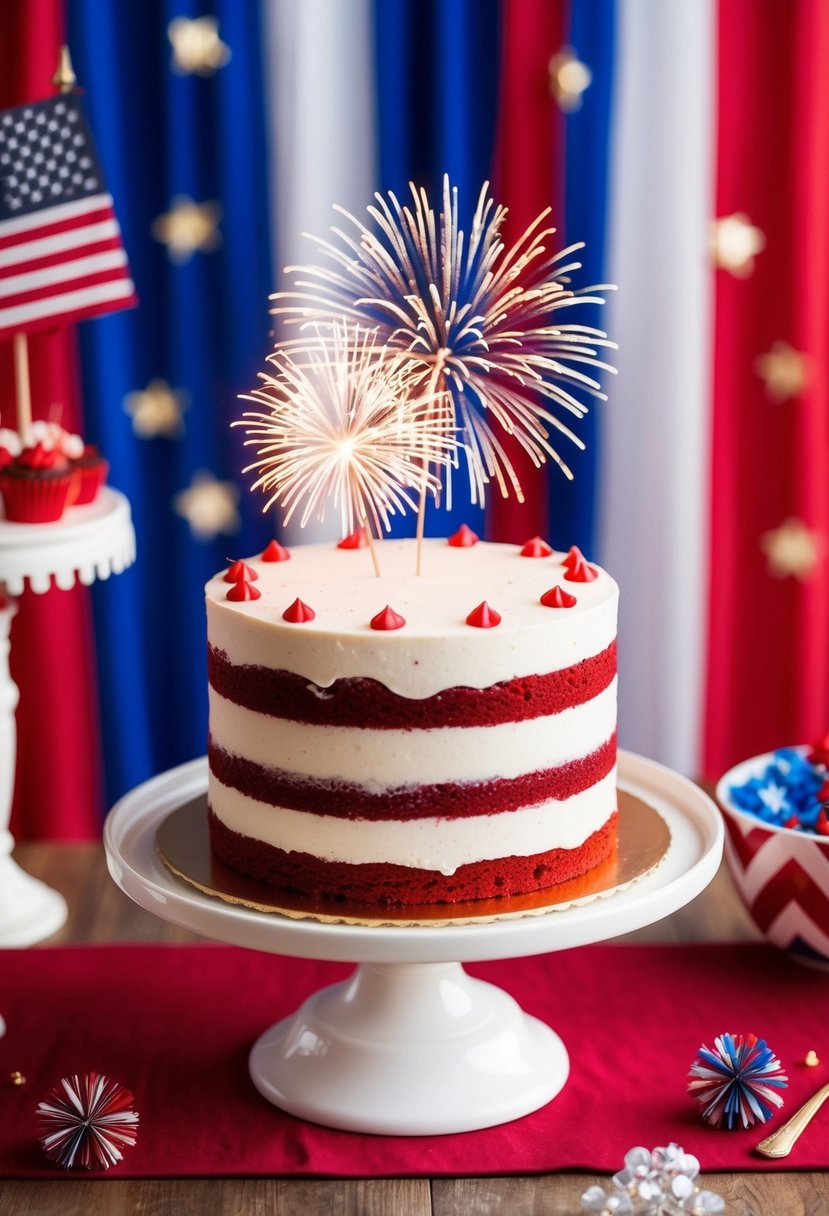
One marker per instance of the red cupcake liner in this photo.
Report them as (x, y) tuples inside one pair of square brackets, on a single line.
[(35, 500), (90, 478)]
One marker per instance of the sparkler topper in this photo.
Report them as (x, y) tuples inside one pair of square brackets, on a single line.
[(345, 425), (467, 334)]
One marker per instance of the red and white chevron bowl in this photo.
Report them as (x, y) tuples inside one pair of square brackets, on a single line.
[(781, 874)]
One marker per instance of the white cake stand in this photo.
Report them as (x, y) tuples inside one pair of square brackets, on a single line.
[(89, 542), (411, 1044)]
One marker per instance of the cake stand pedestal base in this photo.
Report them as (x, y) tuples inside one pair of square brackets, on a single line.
[(90, 542), (411, 1044), (409, 1049), (29, 910)]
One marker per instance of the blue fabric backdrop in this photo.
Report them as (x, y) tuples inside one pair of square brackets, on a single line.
[(437, 67), (202, 326), (592, 38)]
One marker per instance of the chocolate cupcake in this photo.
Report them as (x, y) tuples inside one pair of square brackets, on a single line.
[(91, 469), (35, 485)]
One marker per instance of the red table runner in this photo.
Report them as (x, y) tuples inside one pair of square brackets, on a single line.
[(174, 1024)]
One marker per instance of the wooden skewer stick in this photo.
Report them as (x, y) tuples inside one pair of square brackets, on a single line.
[(22, 384), (372, 550), (437, 370), (370, 540)]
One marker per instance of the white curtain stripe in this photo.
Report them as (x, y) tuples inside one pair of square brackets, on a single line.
[(656, 427), (319, 73)]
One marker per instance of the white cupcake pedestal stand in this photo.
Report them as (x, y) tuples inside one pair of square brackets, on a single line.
[(88, 543), (411, 1044)]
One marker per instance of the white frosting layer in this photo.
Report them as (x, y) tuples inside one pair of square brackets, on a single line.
[(379, 760), (435, 649), (428, 844)]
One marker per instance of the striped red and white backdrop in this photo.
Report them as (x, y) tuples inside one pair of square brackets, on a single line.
[(687, 143)]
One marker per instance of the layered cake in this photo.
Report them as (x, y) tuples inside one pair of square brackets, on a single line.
[(408, 740)]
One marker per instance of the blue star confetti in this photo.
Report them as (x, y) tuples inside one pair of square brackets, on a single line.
[(791, 792)]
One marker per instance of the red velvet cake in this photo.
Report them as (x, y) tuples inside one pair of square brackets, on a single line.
[(406, 740)]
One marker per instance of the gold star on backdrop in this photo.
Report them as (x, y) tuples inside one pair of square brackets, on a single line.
[(197, 47), (568, 78), (734, 243), (188, 227), (157, 410), (793, 550), (209, 506), (783, 370)]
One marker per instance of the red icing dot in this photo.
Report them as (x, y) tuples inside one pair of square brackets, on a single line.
[(578, 569), (822, 824), (536, 548), (823, 792), (274, 552), (354, 540), (484, 617), (298, 613), (464, 538), (238, 572), (793, 822), (557, 597), (388, 619), (243, 591), (40, 457)]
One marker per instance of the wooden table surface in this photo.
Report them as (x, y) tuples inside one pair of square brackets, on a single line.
[(99, 912)]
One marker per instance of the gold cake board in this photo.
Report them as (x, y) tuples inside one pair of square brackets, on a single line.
[(183, 843)]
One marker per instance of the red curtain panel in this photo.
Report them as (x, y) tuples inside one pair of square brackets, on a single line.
[(58, 791), (528, 176), (768, 645), (809, 136)]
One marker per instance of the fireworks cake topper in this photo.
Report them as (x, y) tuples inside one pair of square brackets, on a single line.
[(471, 331), (737, 1082), (87, 1123), (344, 426)]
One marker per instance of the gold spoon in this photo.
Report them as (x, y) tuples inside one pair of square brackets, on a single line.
[(781, 1142)]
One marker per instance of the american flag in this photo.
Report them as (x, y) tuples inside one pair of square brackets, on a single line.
[(61, 256)]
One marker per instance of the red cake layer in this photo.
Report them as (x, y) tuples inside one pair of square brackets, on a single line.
[(403, 886), (367, 703), (449, 800)]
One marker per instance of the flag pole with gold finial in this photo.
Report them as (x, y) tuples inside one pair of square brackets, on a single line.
[(65, 80), (64, 77)]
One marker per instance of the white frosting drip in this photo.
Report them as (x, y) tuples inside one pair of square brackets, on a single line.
[(10, 440), (436, 649), (378, 760), (51, 435), (429, 844)]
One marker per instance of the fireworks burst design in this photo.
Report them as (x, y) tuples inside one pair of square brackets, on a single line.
[(87, 1125), (738, 1081), (477, 320), (344, 426)]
